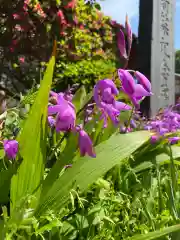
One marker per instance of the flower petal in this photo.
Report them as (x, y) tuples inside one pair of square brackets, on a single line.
[(121, 43), (122, 106), (51, 121), (107, 83), (127, 81), (140, 91), (135, 102), (107, 96), (85, 144), (11, 148), (129, 34), (56, 108), (143, 81), (173, 140), (53, 94)]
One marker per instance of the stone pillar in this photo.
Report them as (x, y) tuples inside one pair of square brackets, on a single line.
[(162, 55)]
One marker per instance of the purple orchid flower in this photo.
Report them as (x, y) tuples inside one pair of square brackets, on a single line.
[(105, 90), (51, 121), (65, 116), (154, 139), (112, 112), (59, 97), (166, 121), (162, 131), (104, 96), (173, 140), (11, 148), (85, 144), (133, 123), (136, 92), (148, 127), (123, 129)]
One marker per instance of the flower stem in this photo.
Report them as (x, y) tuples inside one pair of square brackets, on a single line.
[(57, 146), (4, 164), (129, 120), (130, 71), (173, 171)]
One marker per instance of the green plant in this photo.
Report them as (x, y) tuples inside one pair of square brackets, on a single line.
[(129, 191), (32, 197)]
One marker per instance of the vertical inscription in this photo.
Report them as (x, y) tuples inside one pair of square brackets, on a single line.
[(165, 31), (162, 62)]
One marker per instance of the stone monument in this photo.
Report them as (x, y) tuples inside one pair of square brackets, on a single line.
[(162, 55)]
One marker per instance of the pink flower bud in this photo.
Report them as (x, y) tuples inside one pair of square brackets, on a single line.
[(129, 34), (11, 148), (121, 44), (85, 144)]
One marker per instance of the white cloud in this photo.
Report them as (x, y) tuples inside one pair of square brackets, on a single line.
[(117, 9)]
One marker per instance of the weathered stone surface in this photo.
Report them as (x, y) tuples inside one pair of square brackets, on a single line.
[(162, 59)]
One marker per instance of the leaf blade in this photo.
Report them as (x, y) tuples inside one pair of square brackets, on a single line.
[(33, 148), (86, 170), (156, 234)]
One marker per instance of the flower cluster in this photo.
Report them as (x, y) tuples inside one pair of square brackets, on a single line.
[(65, 120), (104, 97), (135, 90), (165, 123), (106, 92), (62, 112)]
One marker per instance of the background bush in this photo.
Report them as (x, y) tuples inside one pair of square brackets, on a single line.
[(86, 39)]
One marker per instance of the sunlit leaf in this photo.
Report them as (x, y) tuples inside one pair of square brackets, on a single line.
[(156, 234), (32, 144), (87, 170)]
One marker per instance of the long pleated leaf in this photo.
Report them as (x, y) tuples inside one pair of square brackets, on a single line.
[(32, 144), (156, 234), (87, 170), (161, 159)]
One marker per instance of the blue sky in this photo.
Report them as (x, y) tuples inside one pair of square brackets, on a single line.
[(117, 9)]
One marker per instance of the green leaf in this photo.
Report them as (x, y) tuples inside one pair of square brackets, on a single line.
[(107, 132), (5, 181), (79, 98), (66, 158), (156, 234), (49, 226), (87, 170), (32, 144), (160, 159), (2, 230), (2, 153)]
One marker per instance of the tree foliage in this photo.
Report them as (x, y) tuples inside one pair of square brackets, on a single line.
[(86, 42), (177, 61)]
